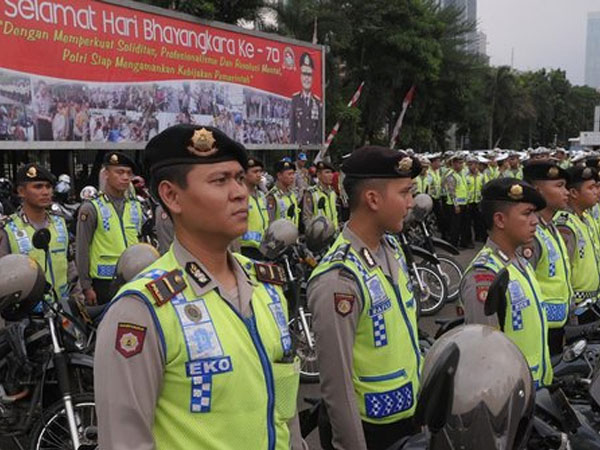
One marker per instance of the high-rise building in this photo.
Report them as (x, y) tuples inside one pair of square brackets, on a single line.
[(469, 11), (592, 51)]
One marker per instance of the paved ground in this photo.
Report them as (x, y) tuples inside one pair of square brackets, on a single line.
[(426, 323)]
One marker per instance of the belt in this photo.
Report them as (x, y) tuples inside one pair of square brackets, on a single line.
[(584, 295)]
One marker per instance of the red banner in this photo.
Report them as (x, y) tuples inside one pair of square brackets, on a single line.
[(102, 57)]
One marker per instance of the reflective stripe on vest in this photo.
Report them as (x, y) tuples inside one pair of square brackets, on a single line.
[(329, 210), (553, 276), (525, 319), (222, 371), (258, 221), (113, 235), (386, 356)]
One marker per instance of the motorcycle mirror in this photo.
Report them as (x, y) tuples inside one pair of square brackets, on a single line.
[(321, 203), (437, 391), (291, 212), (574, 351), (41, 239), (495, 302)]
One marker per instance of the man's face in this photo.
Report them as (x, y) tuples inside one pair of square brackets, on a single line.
[(286, 178), (119, 177), (493, 163), (215, 201), (325, 176), (518, 222), (457, 165), (37, 194), (306, 77), (254, 175), (554, 192), (436, 164), (513, 161), (301, 163), (396, 201), (585, 196), (473, 167)]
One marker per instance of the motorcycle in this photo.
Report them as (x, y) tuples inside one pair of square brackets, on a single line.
[(46, 392)]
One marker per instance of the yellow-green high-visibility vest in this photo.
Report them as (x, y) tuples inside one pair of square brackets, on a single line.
[(20, 235), (525, 320), (585, 279), (283, 202), (553, 273), (329, 202), (435, 185), (225, 384), (113, 235), (258, 220), (386, 356), (459, 197)]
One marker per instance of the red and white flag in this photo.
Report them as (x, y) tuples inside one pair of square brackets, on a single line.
[(353, 101), (405, 104)]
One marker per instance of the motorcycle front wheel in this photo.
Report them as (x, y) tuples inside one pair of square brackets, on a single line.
[(435, 292), (51, 432), (309, 364)]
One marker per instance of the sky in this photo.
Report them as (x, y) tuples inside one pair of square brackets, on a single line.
[(543, 33)]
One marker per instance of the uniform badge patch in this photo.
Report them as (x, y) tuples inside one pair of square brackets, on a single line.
[(484, 277), (482, 292), (527, 252), (197, 274), (130, 339), (270, 273), (164, 216), (83, 217), (366, 254), (193, 313), (344, 303)]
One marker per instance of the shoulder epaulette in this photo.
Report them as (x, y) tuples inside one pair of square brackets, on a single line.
[(164, 288), (270, 273), (562, 218), (392, 241), (341, 253)]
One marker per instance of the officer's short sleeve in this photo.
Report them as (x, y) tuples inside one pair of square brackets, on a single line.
[(474, 288), (569, 239), (86, 225), (532, 252), (128, 372), (335, 301)]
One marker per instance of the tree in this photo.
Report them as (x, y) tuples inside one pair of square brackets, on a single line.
[(228, 11)]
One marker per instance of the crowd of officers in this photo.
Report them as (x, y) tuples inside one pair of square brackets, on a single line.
[(195, 351)]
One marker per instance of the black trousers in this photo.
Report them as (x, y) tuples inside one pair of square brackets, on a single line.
[(438, 212), (476, 222), (378, 437), (103, 289), (460, 231)]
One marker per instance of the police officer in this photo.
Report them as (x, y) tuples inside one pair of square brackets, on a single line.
[(196, 352), (561, 155), (163, 228), (258, 216), (474, 181), (321, 199), (547, 254), (491, 172), (514, 170), (106, 226), (456, 188), (508, 207), (364, 311), (423, 181), (302, 180), (435, 187), (578, 233), (282, 202), (306, 113), (34, 187)]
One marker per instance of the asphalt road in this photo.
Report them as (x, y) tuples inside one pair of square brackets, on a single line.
[(425, 323), (312, 390)]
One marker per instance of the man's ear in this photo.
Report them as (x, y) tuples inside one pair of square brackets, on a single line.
[(573, 193), (21, 190), (170, 194), (499, 220), (372, 198)]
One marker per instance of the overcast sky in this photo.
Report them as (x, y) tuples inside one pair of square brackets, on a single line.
[(543, 33)]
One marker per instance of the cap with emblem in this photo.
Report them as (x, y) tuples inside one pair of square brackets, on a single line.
[(380, 162), (281, 166), (306, 60), (34, 172), (579, 174), (323, 165), (255, 162), (512, 190), (192, 144), (544, 170), (118, 159)]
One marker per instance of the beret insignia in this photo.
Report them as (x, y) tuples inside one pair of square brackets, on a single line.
[(553, 172), (516, 192), (405, 164), (31, 172), (114, 159), (250, 162), (202, 143), (587, 173)]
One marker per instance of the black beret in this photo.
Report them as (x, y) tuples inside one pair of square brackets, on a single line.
[(118, 159), (306, 60), (544, 170), (322, 165), (578, 174), (34, 172), (282, 165), (255, 162), (380, 162), (512, 190), (192, 144), (593, 161)]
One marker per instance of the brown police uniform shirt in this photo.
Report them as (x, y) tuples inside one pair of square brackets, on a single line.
[(335, 334), (127, 389), (86, 227), (163, 227)]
